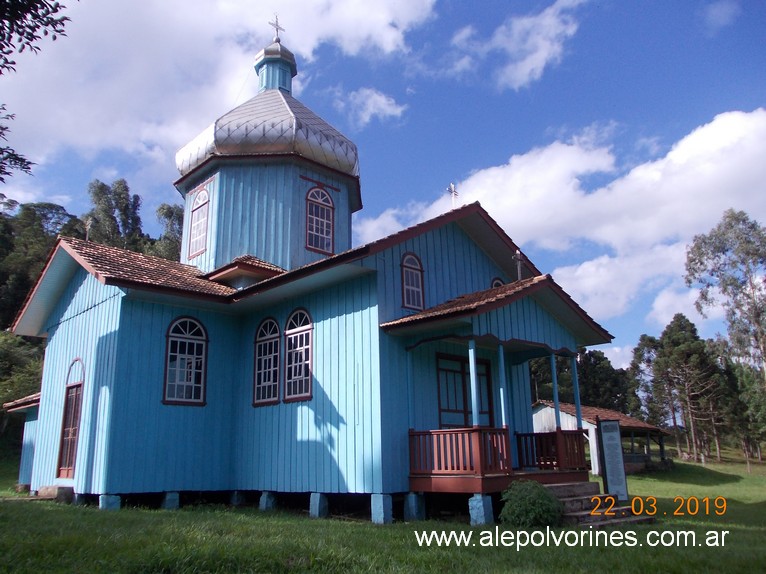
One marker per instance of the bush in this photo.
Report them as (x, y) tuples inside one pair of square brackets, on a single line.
[(528, 504)]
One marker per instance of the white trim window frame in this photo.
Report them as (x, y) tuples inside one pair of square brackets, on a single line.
[(412, 282), (186, 363), (266, 372), (320, 221), (198, 225), (298, 355)]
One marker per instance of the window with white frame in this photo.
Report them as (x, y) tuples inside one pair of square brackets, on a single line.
[(298, 333), (186, 367), (266, 389), (412, 282), (497, 282), (319, 221), (198, 226)]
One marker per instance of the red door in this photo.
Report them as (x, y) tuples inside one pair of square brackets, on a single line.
[(70, 430)]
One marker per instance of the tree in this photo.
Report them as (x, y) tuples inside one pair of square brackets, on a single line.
[(601, 385), (729, 264), (114, 219), (168, 246), (22, 22), (26, 238), (20, 369)]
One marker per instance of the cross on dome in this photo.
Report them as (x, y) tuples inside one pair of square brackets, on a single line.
[(277, 27)]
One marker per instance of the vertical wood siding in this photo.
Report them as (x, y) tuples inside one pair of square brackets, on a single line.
[(260, 210), (28, 445), (452, 265), (83, 325), (159, 447), (331, 443)]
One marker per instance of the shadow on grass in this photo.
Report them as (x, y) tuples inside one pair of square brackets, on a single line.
[(694, 474)]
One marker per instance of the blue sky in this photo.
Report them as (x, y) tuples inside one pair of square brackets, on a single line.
[(602, 135)]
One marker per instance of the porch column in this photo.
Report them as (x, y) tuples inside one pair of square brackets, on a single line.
[(555, 381), (576, 389), (503, 385), (474, 382)]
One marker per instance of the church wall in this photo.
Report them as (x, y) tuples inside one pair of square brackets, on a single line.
[(159, 447), (259, 208), (82, 326), (331, 443), (452, 265), (524, 320)]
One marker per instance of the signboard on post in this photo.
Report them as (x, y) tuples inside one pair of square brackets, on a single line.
[(612, 464)]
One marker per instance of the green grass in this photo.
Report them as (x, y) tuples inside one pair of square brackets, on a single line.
[(48, 537)]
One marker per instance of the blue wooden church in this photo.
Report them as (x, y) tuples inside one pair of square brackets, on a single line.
[(276, 358)]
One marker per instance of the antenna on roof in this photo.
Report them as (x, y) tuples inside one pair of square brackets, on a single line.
[(277, 27), (452, 190)]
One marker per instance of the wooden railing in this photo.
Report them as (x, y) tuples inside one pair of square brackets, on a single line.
[(558, 450), (476, 451)]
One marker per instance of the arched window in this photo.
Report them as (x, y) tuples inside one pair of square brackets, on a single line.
[(266, 386), (70, 428), (319, 221), (497, 282), (186, 368), (298, 332), (412, 282), (198, 226)]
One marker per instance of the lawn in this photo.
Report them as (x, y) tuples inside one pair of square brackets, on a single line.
[(48, 537)]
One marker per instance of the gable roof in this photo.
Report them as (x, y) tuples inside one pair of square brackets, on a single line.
[(110, 266), (114, 266), (594, 414), (541, 287)]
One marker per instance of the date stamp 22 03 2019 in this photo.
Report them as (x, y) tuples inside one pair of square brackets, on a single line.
[(647, 506)]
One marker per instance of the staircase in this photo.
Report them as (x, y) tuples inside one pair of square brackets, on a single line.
[(581, 509)]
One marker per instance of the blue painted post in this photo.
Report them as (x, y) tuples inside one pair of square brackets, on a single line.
[(503, 385), (172, 501), (410, 392), (318, 505), (382, 509), (555, 379), (237, 498), (109, 502), (480, 509), (474, 383), (414, 506), (268, 501), (576, 388)]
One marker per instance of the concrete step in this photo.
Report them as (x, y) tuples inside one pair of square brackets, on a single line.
[(588, 516), (573, 489), (577, 503), (618, 521)]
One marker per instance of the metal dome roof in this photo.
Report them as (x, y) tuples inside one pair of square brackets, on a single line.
[(271, 123)]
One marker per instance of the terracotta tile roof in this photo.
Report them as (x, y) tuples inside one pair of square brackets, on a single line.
[(121, 267), (256, 262), (23, 403), (591, 414), (473, 302)]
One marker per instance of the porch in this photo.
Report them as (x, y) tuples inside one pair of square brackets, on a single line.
[(479, 459)]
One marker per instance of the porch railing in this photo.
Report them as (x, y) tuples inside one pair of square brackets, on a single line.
[(557, 450), (464, 451)]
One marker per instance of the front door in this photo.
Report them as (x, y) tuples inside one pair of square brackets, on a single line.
[(454, 380)]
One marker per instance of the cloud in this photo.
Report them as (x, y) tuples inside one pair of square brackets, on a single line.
[(534, 42), (119, 67), (720, 14), (627, 239), (365, 104)]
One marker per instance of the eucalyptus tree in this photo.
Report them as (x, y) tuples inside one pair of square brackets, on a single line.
[(728, 265)]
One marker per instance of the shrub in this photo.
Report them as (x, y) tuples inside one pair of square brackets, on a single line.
[(528, 504)]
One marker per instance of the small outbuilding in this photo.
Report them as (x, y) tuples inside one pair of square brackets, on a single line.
[(637, 435)]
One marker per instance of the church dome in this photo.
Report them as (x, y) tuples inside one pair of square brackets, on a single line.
[(272, 123)]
